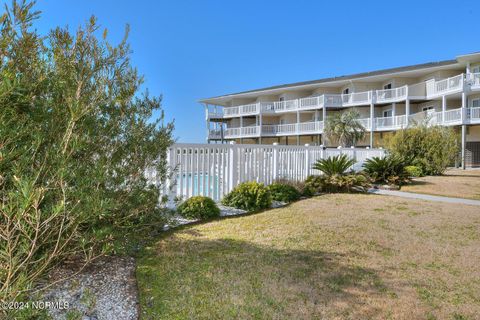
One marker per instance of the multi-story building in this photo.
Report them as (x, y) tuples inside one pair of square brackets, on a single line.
[(442, 93)]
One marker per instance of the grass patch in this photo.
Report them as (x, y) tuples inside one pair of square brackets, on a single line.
[(332, 256)]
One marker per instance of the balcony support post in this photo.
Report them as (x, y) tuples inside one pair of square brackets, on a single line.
[(394, 110), (324, 119), (207, 122), (260, 120), (464, 142), (444, 107), (372, 127), (464, 107), (407, 111)]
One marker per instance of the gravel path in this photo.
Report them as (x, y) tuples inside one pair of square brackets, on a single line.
[(105, 290), (427, 197)]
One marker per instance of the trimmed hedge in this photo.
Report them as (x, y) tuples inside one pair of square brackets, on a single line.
[(199, 208), (250, 196)]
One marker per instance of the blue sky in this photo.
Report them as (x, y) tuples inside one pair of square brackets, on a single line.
[(189, 50)]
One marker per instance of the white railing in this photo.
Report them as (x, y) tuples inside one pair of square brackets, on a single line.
[(214, 170), (391, 122), (449, 84), (310, 127), (310, 102), (250, 108), (475, 80), (357, 98), (279, 106), (214, 134), (453, 115), (231, 111), (240, 132), (395, 94), (366, 123), (474, 114), (332, 100)]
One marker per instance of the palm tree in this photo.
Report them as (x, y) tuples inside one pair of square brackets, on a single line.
[(345, 128)]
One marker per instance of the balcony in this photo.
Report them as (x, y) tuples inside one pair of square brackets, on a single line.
[(445, 86), (242, 132), (313, 127), (430, 89), (475, 81), (392, 95), (391, 123), (214, 134), (473, 114)]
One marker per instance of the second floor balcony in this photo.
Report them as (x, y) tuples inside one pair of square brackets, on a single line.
[(453, 116)]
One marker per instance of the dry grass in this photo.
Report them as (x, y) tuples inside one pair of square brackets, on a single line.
[(455, 183), (331, 257)]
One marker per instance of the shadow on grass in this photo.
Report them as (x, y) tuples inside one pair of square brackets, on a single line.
[(209, 277)]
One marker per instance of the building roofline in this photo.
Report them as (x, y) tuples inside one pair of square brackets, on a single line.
[(341, 78)]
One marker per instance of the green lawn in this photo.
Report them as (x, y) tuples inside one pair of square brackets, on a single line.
[(330, 257)]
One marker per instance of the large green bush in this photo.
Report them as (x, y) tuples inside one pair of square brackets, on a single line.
[(432, 149), (336, 165), (76, 137), (199, 207), (250, 196), (389, 170), (283, 192)]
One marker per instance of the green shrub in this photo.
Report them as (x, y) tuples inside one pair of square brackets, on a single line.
[(300, 186), (338, 183), (389, 169), (199, 207), (432, 149), (414, 171), (334, 165), (76, 138), (283, 192), (315, 184), (250, 196)]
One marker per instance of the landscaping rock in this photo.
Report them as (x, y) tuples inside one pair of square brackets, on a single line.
[(104, 290)]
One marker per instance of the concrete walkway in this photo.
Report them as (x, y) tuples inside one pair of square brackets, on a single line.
[(424, 197)]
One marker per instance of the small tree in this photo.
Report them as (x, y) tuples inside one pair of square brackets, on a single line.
[(432, 148), (345, 128), (76, 137)]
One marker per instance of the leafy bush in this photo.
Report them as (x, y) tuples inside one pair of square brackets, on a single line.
[(338, 183), (390, 170), (334, 165), (432, 149), (283, 192), (345, 128), (250, 196), (414, 171), (199, 208), (300, 186), (76, 137)]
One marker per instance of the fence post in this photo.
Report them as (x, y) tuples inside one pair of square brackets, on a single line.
[(275, 161), (307, 160), (170, 189), (232, 166)]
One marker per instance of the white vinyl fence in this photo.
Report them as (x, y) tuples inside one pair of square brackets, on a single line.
[(213, 170)]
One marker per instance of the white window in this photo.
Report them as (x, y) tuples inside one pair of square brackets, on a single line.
[(387, 113), (476, 103), (346, 91), (387, 86), (282, 99), (283, 121), (476, 69)]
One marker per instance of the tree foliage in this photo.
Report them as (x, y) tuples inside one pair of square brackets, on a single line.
[(431, 148), (344, 128), (76, 136), (336, 165)]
